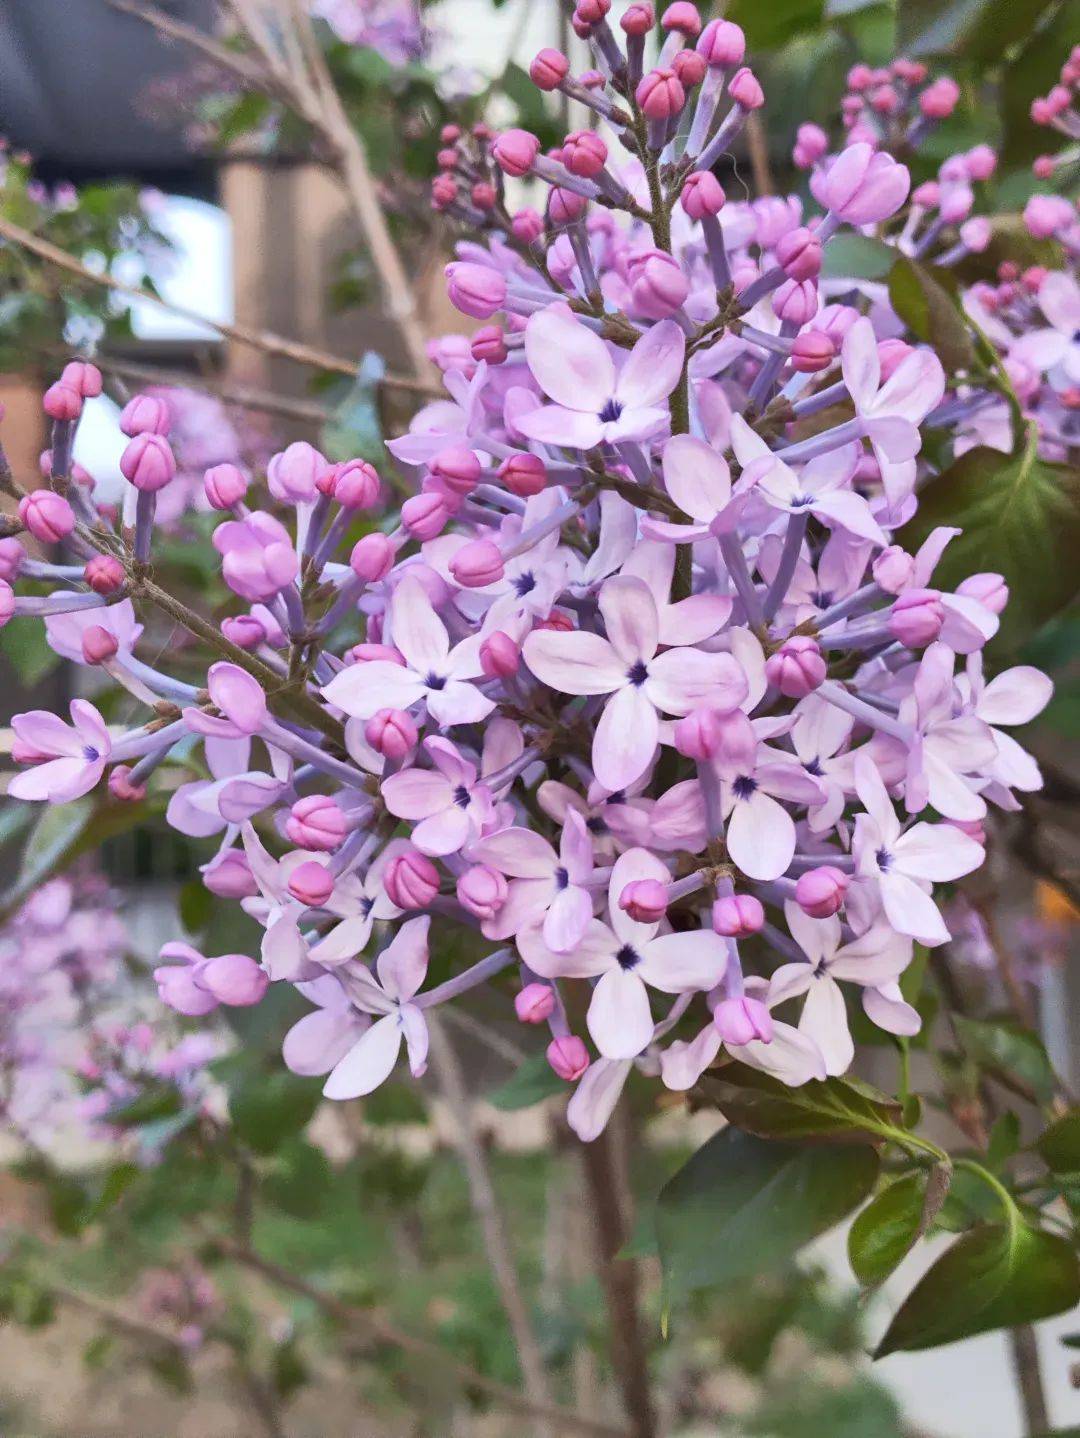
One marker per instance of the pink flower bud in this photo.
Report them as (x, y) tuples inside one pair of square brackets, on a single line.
[(916, 617), (482, 891), (702, 194), (1044, 215), (148, 462), (1059, 99), (13, 557), (293, 475), (484, 195), (229, 875), (1042, 167), (592, 12), (514, 152), (584, 153), (62, 402), (861, 185), (812, 351), (568, 1057), (955, 205), (797, 668), (524, 474), (737, 916), (893, 569), (477, 564), (683, 17), (83, 377), (527, 226), (224, 485), (425, 516), (46, 515), (566, 206), (690, 68), (796, 301), (356, 485), (367, 653), (99, 644), (244, 630), (234, 979), (973, 828), (104, 574), (657, 284), (312, 883), (697, 736), (122, 789), (500, 656), (798, 253), (743, 1021), (820, 892), (981, 162), (660, 95), (989, 589), (860, 77), (316, 822), (638, 18), (475, 290), (411, 880), (372, 557), (891, 355), (391, 733), (535, 1003), (645, 900), (1040, 112), (938, 101), (458, 469), (7, 602), (145, 414), (444, 191), (722, 42), (549, 69), (912, 72), (745, 89), (489, 344)]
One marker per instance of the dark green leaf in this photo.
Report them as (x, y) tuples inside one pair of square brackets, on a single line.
[(834, 1110), (743, 1206), (267, 1109), (858, 257), (888, 1226), (1059, 1145), (26, 649), (196, 906), (1013, 1054), (996, 1276), (931, 313), (533, 1082), (772, 25), (1020, 517), (150, 1106), (300, 1179), (1004, 1139)]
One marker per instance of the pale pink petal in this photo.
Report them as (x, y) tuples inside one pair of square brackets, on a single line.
[(626, 738), (1015, 696), (572, 365), (824, 1020), (897, 439), (526, 903), (417, 630), (684, 679), (320, 1040), (416, 793), (634, 864), (630, 617), (694, 619), (552, 424), (851, 512), (683, 963), (619, 1017), (403, 963), (593, 955), (458, 703), (576, 847), (818, 938), (914, 388), (761, 837), (593, 1101), (59, 781), (910, 911), (636, 425), (1014, 766), (937, 852), (574, 663), (696, 477), (518, 853), (450, 762), (682, 1063), (859, 360), (415, 1028), (792, 1057), (362, 690), (443, 833), (653, 367), (368, 1063), (788, 982), (887, 1007), (567, 919)]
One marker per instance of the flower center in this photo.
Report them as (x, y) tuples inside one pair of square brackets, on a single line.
[(435, 681), (744, 786), (884, 860), (524, 584), (562, 878), (461, 797), (813, 766), (627, 958), (90, 754), (611, 411), (637, 673)]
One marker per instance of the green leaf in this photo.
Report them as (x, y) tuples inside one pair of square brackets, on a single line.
[(533, 1082), (1011, 1053), (931, 313), (742, 1207), (857, 257), (888, 1226), (300, 1180), (832, 1110), (1004, 1139), (1059, 1145), (267, 1109), (769, 26), (26, 649), (996, 1276), (1020, 517)]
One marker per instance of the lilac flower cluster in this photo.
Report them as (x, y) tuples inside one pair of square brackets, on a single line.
[(638, 686), (75, 1041)]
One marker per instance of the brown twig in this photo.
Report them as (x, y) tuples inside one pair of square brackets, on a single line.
[(378, 1327)]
